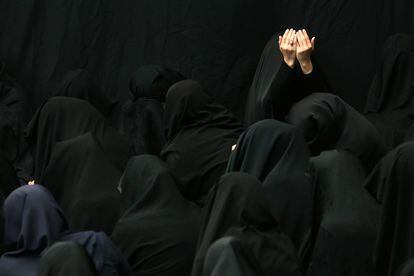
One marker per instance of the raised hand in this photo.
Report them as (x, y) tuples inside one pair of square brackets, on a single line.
[(287, 46), (304, 51)]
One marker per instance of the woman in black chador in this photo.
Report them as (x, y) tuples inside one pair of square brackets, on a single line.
[(238, 219), (200, 134), (390, 102), (347, 217), (277, 155), (392, 184), (33, 221), (285, 75), (142, 115), (328, 123), (159, 228)]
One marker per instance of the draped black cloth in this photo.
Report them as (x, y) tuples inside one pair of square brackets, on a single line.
[(13, 96), (237, 207), (8, 183), (410, 134), (142, 116), (392, 184), (8, 178), (80, 84), (407, 269), (200, 134), (14, 114), (107, 258), (390, 101), (258, 104), (16, 102), (66, 259), (83, 179), (347, 217), (159, 227), (34, 221), (9, 135), (277, 155), (328, 122), (62, 118), (226, 257), (276, 86), (153, 82)]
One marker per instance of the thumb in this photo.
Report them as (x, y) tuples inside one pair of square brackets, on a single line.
[(280, 39), (313, 43)]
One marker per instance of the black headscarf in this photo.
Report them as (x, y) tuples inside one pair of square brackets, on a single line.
[(66, 259), (34, 221), (393, 85), (237, 207), (330, 123), (390, 102), (142, 116), (392, 184), (80, 84), (276, 86), (62, 118), (152, 82), (84, 180), (200, 135), (277, 155), (159, 227), (347, 217)]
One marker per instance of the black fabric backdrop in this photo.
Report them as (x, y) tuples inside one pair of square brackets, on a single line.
[(217, 42)]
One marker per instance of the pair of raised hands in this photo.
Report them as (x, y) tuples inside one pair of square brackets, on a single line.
[(297, 45)]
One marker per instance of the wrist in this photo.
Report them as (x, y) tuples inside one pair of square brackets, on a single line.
[(306, 66), (289, 62)]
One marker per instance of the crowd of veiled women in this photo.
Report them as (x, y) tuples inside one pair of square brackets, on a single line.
[(172, 183)]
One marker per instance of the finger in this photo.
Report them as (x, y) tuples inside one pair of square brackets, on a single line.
[(306, 37), (304, 42), (285, 36), (288, 36), (295, 40), (292, 37), (313, 43), (280, 40), (300, 38)]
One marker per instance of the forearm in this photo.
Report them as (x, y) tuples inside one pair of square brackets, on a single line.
[(282, 90), (306, 67)]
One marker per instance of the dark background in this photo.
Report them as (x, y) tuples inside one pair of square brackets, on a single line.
[(217, 42)]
